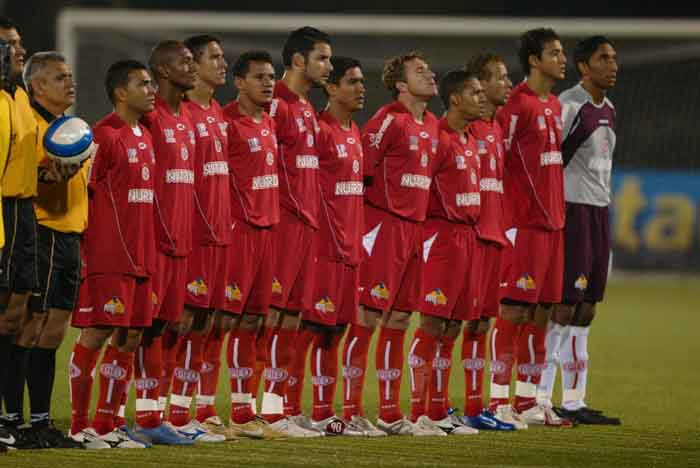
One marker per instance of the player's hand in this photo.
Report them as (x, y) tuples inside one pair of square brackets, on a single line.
[(66, 171)]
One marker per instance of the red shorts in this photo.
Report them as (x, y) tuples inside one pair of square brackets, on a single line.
[(336, 294), (490, 287), (250, 276), (452, 271), (114, 300), (391, 275), (295, 262), (207, 266), (536, 267), (169, 287)]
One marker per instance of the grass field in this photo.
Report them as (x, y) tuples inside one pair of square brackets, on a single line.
[(643, 348)]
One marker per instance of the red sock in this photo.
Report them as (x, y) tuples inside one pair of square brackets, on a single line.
[(389, 363), (324, 373), (439, 387), (502, 341), (241, 360), (423, 350), (114, 376), (276, 373), (262, 341), (82, 364), (209, 374), (120, 419), (186, 377), (170, 347), (531, 361), (473, 362), (297, 372), (355, 352), (148, 369)]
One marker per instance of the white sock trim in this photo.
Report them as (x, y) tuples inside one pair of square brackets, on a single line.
[(162, 401), (272, 404), (122, 411), (525, 389), (570, 396), (205, 400), (500, 391), (241, 397), (183, 401), (143, 404)]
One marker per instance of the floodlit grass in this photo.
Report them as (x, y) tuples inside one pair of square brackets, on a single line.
[(643, 348)]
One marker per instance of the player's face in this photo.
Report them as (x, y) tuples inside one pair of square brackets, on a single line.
[(553, 61), (140, 93), (12, 37), (181, 69), (318, 64), (350, 92), (601, 69), (258, 83), (497, 88), (420, 79), (211, 67), (473, 100), (55, 85)]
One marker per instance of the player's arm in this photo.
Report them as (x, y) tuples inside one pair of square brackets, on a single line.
[(102, 159), (570, 121), (286, 129), (377, 137)]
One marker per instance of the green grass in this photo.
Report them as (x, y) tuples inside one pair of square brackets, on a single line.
[(643, 348)]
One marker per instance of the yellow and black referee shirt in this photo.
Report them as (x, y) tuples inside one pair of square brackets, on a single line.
[(5, 140), (20, 177)]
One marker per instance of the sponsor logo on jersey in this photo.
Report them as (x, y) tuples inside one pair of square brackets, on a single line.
[(490, 138), (581, 282), (132, 155), (380, 292), (491, 185), (254, 145), (526, 283), (145, 173), (468, 199), (242, 373), (275, 374), (291, 380), (307, 161), (307, 114), (146, 384), (574, 366), (202, 129), (415, 181), (276, 286), (206, 367), (375, 139), (186, 375), (198, 287), (112, 371), (474, 364), (531, 370), (179, 176), (180, 126), (322, 380), (210, 119), (114, 306), (265, 182), (341, 150), (233, 293), (215, 168), (497, 367), (325, 305), (388, 374), (414, 361), (169, 135), (441, 363), (348, 188), (541, 123), (352, 372), (551, 158), (436, 297)]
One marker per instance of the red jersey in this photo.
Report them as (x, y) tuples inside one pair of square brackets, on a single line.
[(297, 130), (454, 193), (212, 218), (173, 140), (342, 213), (533, 175), (253, 155), (120, 235), (489, 143), (399, 154)]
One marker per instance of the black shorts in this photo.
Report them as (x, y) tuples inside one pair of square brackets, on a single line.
[(18, 267), (587, 253), (59, 270)]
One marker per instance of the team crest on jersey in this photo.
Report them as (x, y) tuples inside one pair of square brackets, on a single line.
[(526, 283), (114, 306), (541, 122), (436, 297), (145, 173), (276, 286), (342, 150), (380, 292), (492, 163), (270, 158), (217, 145), (581, 282), (310, 140), (169, 135), (325, 305), (472, 177), (222, 127), (254, 145), (132, 155), (264, 132), (413, 143), (356, 166), (424, 160), (202, 129), (481, 146), (233, 293), (461, 162), (198, 287), (184, 153)]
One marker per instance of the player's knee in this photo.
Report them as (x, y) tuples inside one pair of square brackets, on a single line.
[(563, 314), (398, 320), (483, 325), (250, 322), (290, 320), (94, 338), (156, 330), (542, 314), (452, 328), (223, 321), (368, 317), (131, 339), (516, 312), (433, 325), (30, 330), (585, 313), (4, 299), (201, 321)]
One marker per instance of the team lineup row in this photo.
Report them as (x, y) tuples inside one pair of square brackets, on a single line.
[(328, 232)]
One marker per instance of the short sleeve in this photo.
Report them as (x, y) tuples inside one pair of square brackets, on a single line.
[(102, 159), (285, 127), (377, 137)]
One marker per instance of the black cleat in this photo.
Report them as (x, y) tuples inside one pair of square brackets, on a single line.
[(24, 437), (48, 436), (588, 416)]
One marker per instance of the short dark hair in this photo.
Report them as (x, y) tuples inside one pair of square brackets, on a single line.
[(532, 42), (453, 83), (395, 70), (197, 44), (478, 65), (302, 41), (7, 23), (242, 65), (340, 66), (118, 75), (585, 49), (161, 53)]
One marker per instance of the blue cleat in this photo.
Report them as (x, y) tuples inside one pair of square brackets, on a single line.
[(488, 422), (134, 436), (161, 435)]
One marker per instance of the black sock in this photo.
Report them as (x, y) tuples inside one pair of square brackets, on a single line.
[(14, 385), (40, 376), (5, 347)]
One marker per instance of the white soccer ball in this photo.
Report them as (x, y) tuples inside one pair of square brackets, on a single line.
[(68, 140)]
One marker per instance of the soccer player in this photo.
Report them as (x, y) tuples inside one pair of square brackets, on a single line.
[(306, 57), (534, 193), (451, 273), (119, 246), (207, 264), (589, 142), (400, 144), (172, 66)]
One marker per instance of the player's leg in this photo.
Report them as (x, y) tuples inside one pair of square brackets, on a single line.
[(211, 365), (423, 350)]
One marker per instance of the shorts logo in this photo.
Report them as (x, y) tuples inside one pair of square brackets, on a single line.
[(233, 293), (186, 375), (74, 371), (352, 372), (321, 380), (526, 283), (240, 372), (146, 384), (198, 287), (154, 298), (276, 286), (114, 306), (388, 374), (325, 305), (436, 297), (380, 292), (275, 374), (531, 369), (414, 362), (112, 371), (442, 363), (574, 366), (498, 367), (581, 282), (474, 364)]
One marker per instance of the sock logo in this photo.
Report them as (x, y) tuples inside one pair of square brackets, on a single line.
[(474, 364), (531, 370), (415, 362), (146, 384), (275, 374), (240, 372), (321, 380), (574, 366), (388, 374), (441, 363), (498, 367), (352, 372), (186, 375), (113, 371)]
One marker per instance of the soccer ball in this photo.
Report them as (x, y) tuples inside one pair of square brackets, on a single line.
[(68, 140)]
